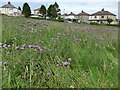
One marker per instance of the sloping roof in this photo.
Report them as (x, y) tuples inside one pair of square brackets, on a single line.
[(83, 13), (102, 12), (37, 9), (72, 13), (9, 5), (65, 14)]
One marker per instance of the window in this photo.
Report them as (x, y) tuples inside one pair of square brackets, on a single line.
[(102, 16), (107, 16), (10, 9), (95, 16)]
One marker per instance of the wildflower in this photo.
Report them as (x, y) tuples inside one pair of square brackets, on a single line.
[(5, 63), (58, 61), (58, 65), (59, 34), (68, 34), (101, 39), (65, 63), (22, 48), (17, 48), (86, 71), (41, 49), (8, 53), (0, 46), (63, 35), (30, 46), (5, 45), (9, 45), (39, 40), (52, 38), (24, 45), (48, 74), (69, 59), (50, 50)]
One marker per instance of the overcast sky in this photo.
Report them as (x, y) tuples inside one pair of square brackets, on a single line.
[(75, 6)]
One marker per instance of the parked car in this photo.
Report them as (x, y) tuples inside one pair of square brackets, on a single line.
[(68, 21)]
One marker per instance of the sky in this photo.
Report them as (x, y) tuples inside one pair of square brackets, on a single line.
[(67, 6)]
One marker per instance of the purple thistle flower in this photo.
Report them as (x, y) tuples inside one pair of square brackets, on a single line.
[(17, 48), (50, 50), (22, 48), (58, 65), (58, 61), (0, 46), (39, 40), (41, 49), (59, 34), (48, 74), (5, 63), (30, 46), (9, 45), (65, 63), (8, 53), (101, 39), (69, 59), (63, 35), (5, 45), (52, 38), (68, 34), (86, 71)]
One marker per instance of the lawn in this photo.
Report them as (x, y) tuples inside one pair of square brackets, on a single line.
[(49, 54)]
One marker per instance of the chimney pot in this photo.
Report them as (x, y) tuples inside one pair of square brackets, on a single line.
[(8, 2)]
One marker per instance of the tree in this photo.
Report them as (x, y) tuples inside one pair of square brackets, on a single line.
[(26, 10), (57, 10), (109, 20), (53, 10), (19, 8), (43, 10)]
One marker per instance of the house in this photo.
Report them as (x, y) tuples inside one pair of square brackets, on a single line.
[(64, 16), (83, 16), (69, 16), (10, 10), (102, 16), (36, 12), (72, 16)]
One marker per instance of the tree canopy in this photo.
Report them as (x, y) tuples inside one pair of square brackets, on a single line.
[(26, 10), (109, 20), (53, 10), (43, 10)]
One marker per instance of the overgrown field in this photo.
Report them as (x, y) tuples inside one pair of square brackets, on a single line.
[(49, 54)]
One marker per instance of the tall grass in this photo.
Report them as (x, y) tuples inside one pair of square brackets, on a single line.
[(93, 51)]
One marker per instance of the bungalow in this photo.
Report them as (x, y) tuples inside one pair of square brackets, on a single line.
[(64, 16), (102, 16), (10, 10), (83, 16)]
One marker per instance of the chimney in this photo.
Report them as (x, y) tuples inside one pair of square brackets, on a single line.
[(8, 2), (82, 11), (102, 9)]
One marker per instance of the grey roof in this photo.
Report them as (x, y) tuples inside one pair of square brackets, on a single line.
[(8, 6)]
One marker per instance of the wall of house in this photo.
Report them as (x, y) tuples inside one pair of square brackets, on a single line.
[(36, 12), (83, 18), (10, 11), (105, 17)]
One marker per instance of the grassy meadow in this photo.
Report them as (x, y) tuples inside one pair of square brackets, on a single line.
[(50, 54)]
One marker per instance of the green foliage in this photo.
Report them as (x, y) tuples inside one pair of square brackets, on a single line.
[(93, 23), (53, 11), (109, 20), (43, 10), (26, 10)]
